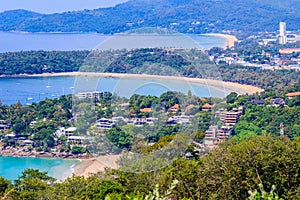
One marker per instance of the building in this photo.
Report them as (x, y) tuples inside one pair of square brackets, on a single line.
[(289, 50), (292, 95), (77, 140), (146, 110), (104, 123), (174, 108), (258, 102), (142, 121), (207, 107), (4, 125), (70, 131), (282, 33), (90, 95), (224, 132), (232, 117), (183, 119), (278, 102), (211, 132)]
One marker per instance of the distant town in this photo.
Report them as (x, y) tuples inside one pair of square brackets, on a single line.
[(268, 51)]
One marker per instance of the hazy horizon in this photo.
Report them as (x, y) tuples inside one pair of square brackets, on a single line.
[(56, 6)]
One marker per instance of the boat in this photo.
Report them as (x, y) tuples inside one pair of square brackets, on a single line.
[(48, 85)]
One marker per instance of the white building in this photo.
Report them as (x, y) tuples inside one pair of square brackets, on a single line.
[(282, 33)]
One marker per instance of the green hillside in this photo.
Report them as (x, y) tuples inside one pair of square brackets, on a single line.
[(188, 16)]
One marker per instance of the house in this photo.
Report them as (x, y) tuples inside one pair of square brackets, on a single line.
[(221, 114), (90, 95), (105, 123), (207, 107), (258, 102), (224, 132), (142, 121), (292, 95), (183, 119), (77, 140), (289, 50), (70, 131), (4, 125), (232, 117), (28, 142), (211, 132), (174, 108), (146, 110), (278, 102)]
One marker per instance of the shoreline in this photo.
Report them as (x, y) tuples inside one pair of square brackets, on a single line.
[(86, 167), (231, 39), (222, 85)]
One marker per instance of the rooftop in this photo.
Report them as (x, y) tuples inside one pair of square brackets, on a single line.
[(292, 94)]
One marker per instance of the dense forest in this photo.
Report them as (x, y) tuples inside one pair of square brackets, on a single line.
[(37, 62), (257, 120), (186, 16), (260, 167), (187, 63)]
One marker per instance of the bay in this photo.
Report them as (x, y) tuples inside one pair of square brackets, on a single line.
[(12, 167), (12, 42), (34, 89)]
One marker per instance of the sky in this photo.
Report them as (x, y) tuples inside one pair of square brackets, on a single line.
[(54, 6)]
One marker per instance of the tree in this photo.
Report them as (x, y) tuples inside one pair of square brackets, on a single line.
[(119, 138), (232, 97)]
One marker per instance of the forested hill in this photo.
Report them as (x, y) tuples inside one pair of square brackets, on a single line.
[(188, 16)]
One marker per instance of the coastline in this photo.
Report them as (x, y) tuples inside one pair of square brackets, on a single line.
[(86, 167), (231, 39), (222, 85)]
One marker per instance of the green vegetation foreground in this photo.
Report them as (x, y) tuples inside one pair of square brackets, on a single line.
[(228, 172)]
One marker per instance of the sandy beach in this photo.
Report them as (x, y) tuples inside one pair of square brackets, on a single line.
[(93, 165), (231, 39), (222, 85)]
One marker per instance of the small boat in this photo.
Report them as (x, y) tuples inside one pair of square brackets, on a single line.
[(48, 85), (29, 98)]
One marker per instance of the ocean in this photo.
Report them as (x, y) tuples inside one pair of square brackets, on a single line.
[(11, 42), (34, 89), (12, 167)]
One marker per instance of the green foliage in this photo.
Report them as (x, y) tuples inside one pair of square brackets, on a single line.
[(38, 62), (4, 185), (231, 98), (263, 195), (119, 138), (78, 150), (188, 16), (258, 119), (228, 172), (155, 195)]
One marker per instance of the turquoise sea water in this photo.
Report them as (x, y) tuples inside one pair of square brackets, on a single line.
[(28, 90), (11, 167)]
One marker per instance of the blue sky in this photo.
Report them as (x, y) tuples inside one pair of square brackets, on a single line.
[(53, 6)]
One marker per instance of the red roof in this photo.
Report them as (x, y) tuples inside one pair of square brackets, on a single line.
[(292, 94), (176, 106), (146, 110), (190, 107), (207, 106)]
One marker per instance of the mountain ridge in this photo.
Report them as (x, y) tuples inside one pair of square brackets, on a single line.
[(186, 16)]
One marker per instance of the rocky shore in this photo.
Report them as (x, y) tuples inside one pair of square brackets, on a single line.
[(24, 152)]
